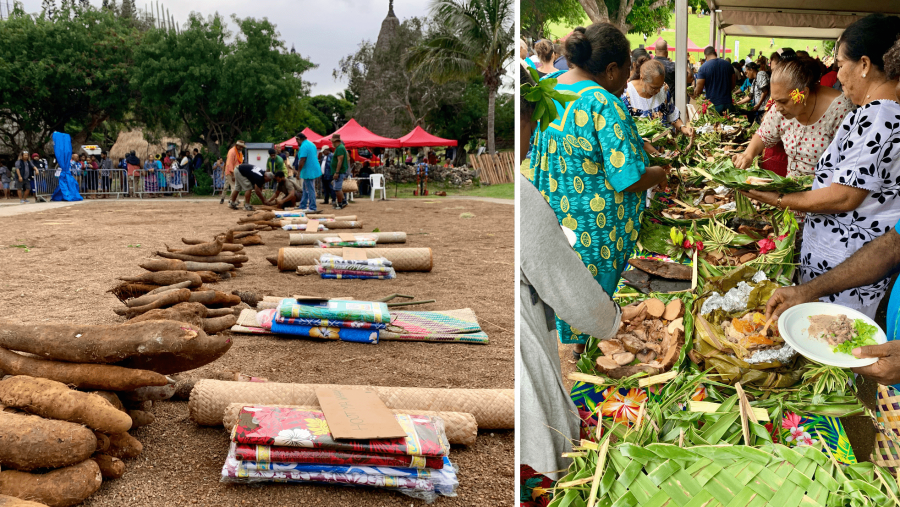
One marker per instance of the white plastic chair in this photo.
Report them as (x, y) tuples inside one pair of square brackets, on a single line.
[(376, 182)]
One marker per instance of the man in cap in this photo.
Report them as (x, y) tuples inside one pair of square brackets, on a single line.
[(235, 158), (249, 178), (340, 166), (309, 171)]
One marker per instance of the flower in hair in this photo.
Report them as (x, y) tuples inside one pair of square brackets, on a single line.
[(797, 96)]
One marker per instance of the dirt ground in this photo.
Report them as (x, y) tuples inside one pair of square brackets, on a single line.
[(75, 254)]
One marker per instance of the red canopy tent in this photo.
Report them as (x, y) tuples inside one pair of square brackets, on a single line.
[(419, 137), (354, 135), (316, 139)]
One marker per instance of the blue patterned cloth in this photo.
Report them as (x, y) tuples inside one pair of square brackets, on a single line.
[(327, 333)]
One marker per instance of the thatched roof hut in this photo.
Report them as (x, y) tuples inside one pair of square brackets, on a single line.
[(134, 141)]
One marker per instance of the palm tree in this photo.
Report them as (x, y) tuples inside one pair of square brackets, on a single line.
[(474, 39)]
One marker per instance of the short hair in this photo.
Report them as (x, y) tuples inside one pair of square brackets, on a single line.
[(196, 150), (651, 69), (279, 174), (709, 50), (544, 50), (594, 48), (803, 53), (269, 176), (752, 66), (892, 61), (870, 36), (272, 151), (301, 136), (104, 153)]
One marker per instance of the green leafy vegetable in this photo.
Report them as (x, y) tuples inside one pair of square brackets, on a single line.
[(865, 335), (543, 94)]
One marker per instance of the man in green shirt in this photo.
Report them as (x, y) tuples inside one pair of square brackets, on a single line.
[(340, 167), (275, 163)]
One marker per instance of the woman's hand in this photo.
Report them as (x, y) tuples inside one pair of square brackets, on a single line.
[(787, 297), (742, 160), (769, 198), (884, 371), (687, 130)]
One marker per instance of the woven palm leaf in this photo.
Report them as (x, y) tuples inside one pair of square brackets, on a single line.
[(724, 173), (659, 475)]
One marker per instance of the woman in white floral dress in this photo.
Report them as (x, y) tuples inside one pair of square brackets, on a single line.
[(856, 192)]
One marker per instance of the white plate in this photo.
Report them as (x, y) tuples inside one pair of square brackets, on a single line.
[(794, 328)]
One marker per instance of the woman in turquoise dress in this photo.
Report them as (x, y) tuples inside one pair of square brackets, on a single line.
[(589, 163)]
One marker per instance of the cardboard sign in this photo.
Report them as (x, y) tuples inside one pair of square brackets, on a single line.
[(357, 413), (347, 236), (312, 225), (354, 254)]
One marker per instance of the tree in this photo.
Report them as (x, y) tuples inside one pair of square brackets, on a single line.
[(49, 8), (537, 14), (630, 16), (475, 38), (217, 87)]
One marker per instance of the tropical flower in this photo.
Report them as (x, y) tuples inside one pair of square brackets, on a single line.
[(295, 437), (798, 434), (318, 426), (623, 408), (765, 246)]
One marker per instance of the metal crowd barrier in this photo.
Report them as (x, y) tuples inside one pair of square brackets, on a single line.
[(150, 183), (98, 183)]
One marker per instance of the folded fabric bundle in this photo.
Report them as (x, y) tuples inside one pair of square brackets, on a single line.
[(282, 426), (344, 334), (359, 241), (363, 311), (301, 227), (302, 455), (354, 268), (357, 276), (290, 214), (352, 324), (338, 262)]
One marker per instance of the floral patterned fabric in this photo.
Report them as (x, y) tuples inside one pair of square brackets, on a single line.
[(582, 164), (281, 454), (364, 311), (797, 430), (621, 405), (327, 333), (290, 427), (360, 275), (352, 324), (862, 155), (535, 490), (302, 227), (661, 105)]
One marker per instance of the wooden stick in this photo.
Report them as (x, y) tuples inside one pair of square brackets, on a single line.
[(410, 303)]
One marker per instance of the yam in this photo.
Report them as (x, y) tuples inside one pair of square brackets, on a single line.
[(623, 358), (183, 389), (162, 346), (143, 406), (125, 291), (674, 309), (214, 297), (646, 356), (192, 313), (231, 258), (155, 393), (244, 234), (208, 276), (110, 468), (671, 347), (212, 313), (113, 398), (655, 307), (165, 278), (670, 270), (250, 241), (164, 300), (58, 488), (231, 247), (633, 310), (612, 369), (747, 257), (54, 400), (124, 446), (610, 347), (219, 324), (163, 265), (179, 285), (247, 227), (82, 376), (203, 249), (217, 267), (140, 418), (148, 298), (10, 501), (102, 441), (29, 442)]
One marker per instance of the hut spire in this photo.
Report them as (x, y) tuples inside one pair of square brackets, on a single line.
[(391, 9)]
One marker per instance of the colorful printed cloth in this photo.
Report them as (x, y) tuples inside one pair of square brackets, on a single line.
[(352, 324), (327, 333), (807, 429), (622, 405), (364, 311), (338, 262), (291, 427), (479, 337), (357, 276), (301, 227), (360, 241), (535, 490), (290, 214), (427, 323), (280, 454)]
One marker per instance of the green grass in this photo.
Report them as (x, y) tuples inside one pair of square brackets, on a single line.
[(698, 31), (501, 191)]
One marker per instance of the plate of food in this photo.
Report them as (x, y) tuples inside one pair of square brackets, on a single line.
[(828, 333)]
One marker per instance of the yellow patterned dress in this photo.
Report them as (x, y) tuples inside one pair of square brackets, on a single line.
[(582, 164)]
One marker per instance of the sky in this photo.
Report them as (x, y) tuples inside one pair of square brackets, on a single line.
[(322, 31)]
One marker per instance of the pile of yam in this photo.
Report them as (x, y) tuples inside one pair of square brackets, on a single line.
[(649, 339)]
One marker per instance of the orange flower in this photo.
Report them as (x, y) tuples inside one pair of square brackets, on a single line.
[(623, 408)]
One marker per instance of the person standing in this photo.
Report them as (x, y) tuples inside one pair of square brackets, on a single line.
[(22, 174), (105, 167), (235, 158), (327, 188), (340, 167), (4, 179), (133, 171), (718, 78), (308, 165), (218, 174), (661, 54), (39, 164), (274, 163), (196, 166)]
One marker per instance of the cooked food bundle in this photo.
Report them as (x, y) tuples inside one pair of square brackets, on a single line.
[(751, 334), (649, 340), (841, 333)]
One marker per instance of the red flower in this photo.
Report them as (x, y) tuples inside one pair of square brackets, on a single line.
[(686, 245), (698, 246), (780, 238), (703, 108), (765, 246)]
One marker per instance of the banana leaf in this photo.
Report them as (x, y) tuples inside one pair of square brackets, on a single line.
[(650, 127), (723, 172)]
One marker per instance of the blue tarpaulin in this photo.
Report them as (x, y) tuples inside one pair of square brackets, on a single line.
[(67, 190)]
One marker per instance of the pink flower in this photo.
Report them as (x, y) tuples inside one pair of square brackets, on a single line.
[(765, 246), (791, 420), (703, 108), (781, 238)]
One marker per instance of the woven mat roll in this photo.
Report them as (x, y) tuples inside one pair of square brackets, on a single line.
[(461, 428), (343, 225), (311, 238), (492, 408), (404, 259)]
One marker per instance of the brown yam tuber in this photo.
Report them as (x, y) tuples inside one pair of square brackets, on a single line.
[(58, 488), (82, 376), (610, 347), (192, 313), (246, 227), (164, 300), (655, 307), (124, 446), (163, 265), (54, 400), (183, 389), (179, 285), (113, 398), (11, 501), (203, 249), (155, 393), (140, 418), (208, 276), (674, 309), (670, 270), (29, 442), (231, 247), (143, 406), (747, 257), (230, 258), (148, 298), (214, 297), (633, 310), (623, 358), (244, 234), (125, 291), (162, 346), (219, 324), (102, 441), (632, 343), (110, 468), (612, 369), (250, 241), (166, 278), (212, 313), (646, 356), (217, 267)]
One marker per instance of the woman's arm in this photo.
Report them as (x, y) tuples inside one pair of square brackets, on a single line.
[(742, 101), (685, 129), (654, 176), (762, 100), (649, 148), (745, 160), (835, 198)]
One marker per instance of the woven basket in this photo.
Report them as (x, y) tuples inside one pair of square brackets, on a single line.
[(311, 238), (461, 428), (404, 259), (492, 408), (727, 475), (349, 186), (887, 439)]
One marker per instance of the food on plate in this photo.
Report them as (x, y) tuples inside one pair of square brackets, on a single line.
[(841, 333)]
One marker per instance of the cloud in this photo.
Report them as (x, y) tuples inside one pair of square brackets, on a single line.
[(323, 32)]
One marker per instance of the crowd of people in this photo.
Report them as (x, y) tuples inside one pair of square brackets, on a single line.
[(588, 171)]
